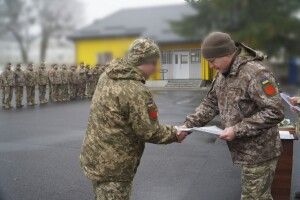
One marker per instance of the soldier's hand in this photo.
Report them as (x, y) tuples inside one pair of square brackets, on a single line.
[(227, 134), (293, 100), (181, 135)]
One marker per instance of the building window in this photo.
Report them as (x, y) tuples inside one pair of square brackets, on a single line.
[(176, 59), (166, 57), (184, 59), (103, 58), (195, 56)]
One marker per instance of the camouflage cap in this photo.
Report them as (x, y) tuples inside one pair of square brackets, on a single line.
[(142, 50)]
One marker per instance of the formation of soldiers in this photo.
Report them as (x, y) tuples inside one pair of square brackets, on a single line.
[(63, 83)]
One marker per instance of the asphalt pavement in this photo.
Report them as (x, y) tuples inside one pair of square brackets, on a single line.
[(39, 149)]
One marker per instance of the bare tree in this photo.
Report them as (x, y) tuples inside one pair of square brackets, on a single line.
[(18, 18), (56, 18)]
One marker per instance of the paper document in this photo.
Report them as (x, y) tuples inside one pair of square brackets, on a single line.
[(286, 99), (207, 129), (286, 135)]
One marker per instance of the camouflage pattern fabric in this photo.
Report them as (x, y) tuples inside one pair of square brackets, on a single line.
[(112, 190), (123, 116), (19, 91), (31, 81), (8, 81), (64, 88), (20, 83), (73, 80), (43, 81), (42, 94), (81, 82), (55, 80), (247, 99), (257, 180)]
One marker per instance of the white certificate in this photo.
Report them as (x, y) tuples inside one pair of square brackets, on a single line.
[(286, 97)]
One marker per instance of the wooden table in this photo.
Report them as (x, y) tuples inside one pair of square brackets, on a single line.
[(281, 187)]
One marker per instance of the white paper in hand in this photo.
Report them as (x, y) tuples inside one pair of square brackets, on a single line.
[(286, 97), (207, 129)]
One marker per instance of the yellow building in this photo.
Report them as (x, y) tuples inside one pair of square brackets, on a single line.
[(111, 36)]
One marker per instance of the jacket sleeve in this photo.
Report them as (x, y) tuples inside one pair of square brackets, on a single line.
[(205, 112), (263, 91), (144, 121)]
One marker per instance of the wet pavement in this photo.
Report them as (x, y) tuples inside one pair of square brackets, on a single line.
[(39, 150)]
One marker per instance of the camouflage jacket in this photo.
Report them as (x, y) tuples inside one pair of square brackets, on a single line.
[(30, 78), (73, 77), (8, 78), (64, 76), (20, 77), (122, 118), (43, 77), (89, 75), (81, 76), (55, 77), (247, 99)]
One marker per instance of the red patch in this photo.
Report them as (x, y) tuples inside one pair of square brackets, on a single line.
[(152, 114), (269, 89)]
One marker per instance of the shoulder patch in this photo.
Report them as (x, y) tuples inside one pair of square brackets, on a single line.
[(268, 88), (152, 109)]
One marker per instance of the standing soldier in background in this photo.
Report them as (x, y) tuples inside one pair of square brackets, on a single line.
[(95, 74), (50, 71), (55, 80), (20, 83), (101, 68), (30, 80), (73, 82), (81, 81), (2, 89), (89, 82), (64, 89), (8, 77), (43, 81)]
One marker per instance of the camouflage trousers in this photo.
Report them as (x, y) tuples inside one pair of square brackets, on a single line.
[(42, 93), (257, 180), (30, 92), (81, 90), (112, 190), (7, 95), (19, 95), (55, 92), (64, 92), (73, 91)]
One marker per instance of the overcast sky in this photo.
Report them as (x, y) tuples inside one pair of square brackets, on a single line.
[(95, 9)]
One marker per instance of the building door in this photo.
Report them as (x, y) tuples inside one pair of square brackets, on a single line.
[(181, 65)]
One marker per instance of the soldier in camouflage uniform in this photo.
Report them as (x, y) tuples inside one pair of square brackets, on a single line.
[(73, 81), (81, 81), (30, 82), (123, 117), (64, 89), (245, 95), (2, 89), (8, 78), (55, 81), (90, 79), (20, 83), (43, 81)]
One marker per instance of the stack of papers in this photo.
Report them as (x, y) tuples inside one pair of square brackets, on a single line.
[(286, 99), (286, 135), (207, 129)]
